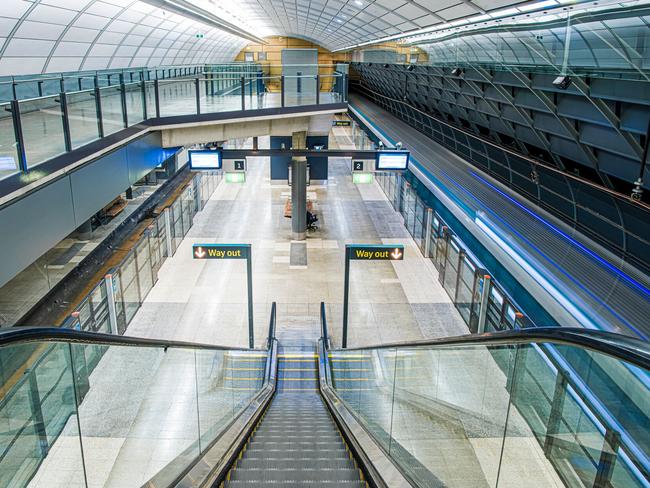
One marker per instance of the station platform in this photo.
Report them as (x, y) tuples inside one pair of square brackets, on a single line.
[(580, 283), (205, 302)]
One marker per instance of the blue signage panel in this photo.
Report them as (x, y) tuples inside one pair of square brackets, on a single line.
[(205, 160), (392, 160)]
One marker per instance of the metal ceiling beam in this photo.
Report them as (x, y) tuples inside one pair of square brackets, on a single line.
[(186, 9)]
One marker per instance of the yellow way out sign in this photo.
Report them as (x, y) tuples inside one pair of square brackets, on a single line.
[(376, 252), (220, 251)]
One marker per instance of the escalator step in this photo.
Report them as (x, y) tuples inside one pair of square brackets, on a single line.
[(294, 484), (309, 444), (324, 462), (335, 453), (288, 475)]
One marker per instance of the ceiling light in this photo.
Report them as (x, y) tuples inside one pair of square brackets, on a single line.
[(358, 2), (537, 5)]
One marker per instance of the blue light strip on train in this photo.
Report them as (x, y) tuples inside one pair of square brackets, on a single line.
[(628, 279), (536, 275), (578, 284)]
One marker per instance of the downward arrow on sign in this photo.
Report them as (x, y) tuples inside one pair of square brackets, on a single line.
[(396, 254), (199, 252)]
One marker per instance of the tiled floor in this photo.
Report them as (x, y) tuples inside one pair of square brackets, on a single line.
[(144, 423)]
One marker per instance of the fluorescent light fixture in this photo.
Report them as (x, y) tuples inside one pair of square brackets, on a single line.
[(557, 295), (505, 13), (536, 5)]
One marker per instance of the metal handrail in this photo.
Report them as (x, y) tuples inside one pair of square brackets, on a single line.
[(23, 335), (624, 348), (272, 323), (323, 326)]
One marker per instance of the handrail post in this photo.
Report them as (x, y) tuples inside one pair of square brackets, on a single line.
[(317, 89), (63, 101), (125, 115), (37, 413), (243, 93), (197, 94), (282, 91), (323, 325), (144, 98), (156, 90), (607, 459), (555, 415), (98, 108), (18, 132), (272, 323), (485, 298), (110, 298), (427, 232)]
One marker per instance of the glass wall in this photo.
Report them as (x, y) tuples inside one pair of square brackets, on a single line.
[(461, 274), (132, 279), (89, 415), (71, 111), (497, 415)]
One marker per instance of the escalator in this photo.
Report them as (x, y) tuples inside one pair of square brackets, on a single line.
[(297, 442), (85, 409)]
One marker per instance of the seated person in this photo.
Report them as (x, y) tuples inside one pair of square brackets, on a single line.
[(311, 220)]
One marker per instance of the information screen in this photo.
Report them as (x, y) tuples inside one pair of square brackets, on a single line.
[(392, 160), (205, 160)]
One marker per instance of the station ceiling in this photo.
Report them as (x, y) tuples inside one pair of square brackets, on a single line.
[(51, 36)]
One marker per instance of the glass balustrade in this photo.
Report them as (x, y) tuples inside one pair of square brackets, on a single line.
[(513, 414), (100, 414), (98, 105)]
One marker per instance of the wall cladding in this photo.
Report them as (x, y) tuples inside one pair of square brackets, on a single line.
[(41, 219), (437, 104)]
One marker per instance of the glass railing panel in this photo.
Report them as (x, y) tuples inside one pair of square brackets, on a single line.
[(130, 288), (150, 98), (450, 412), (145, 276), (82, 117), (112, 112), (38, 424), (139, 414), (299, 90), (134, 103), (177, 97), (216, 398), (364, 380), (42, 123), (244, 375), (9, 164)]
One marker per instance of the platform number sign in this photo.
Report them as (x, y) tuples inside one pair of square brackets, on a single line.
[(358, 166), (239, 165)]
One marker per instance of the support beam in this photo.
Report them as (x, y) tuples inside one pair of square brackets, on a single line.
[(299, 198)]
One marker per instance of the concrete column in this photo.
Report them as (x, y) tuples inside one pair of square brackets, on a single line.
[(299, 198)]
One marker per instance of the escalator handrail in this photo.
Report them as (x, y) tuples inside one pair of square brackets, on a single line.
[(22, 335), (624, 348)]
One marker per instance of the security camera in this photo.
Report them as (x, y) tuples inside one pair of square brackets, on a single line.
[(562, 82)]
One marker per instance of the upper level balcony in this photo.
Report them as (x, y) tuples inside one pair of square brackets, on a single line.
[(48, 123)]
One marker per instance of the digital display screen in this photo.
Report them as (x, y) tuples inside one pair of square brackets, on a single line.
[(395, 160), (205, 160)]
